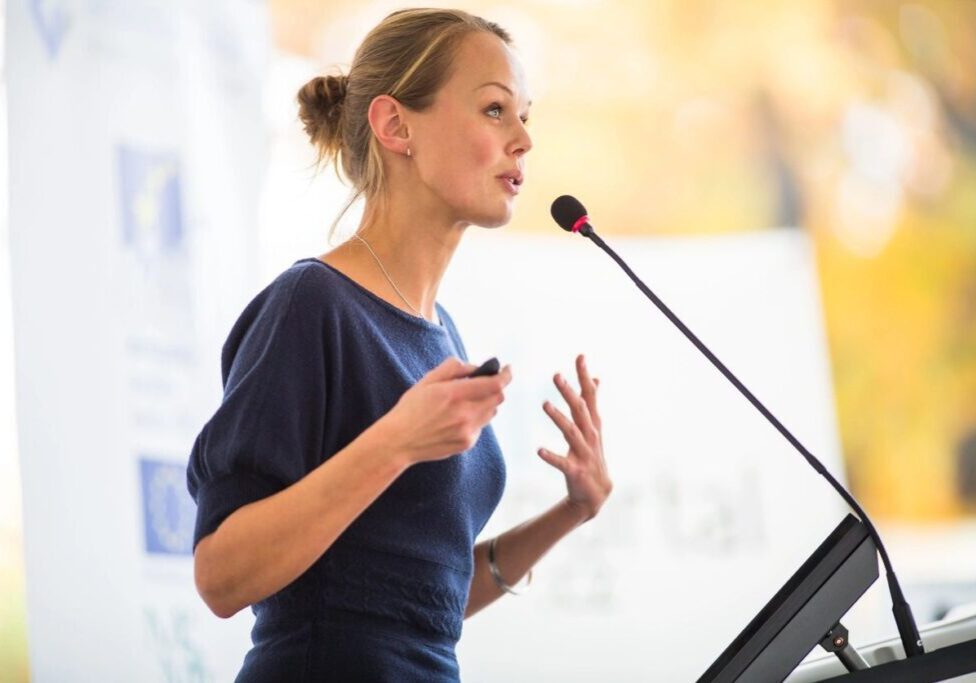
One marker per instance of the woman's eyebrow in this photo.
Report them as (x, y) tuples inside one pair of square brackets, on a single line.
[(503, 87)]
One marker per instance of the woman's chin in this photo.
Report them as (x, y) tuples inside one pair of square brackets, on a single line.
[(495, 219)]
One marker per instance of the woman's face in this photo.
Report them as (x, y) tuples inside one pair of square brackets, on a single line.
[(473, 136)]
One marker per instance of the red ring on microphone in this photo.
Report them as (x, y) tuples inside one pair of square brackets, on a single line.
[(581, 221)]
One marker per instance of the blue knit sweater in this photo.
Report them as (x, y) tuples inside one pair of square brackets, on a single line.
[(313, 360)]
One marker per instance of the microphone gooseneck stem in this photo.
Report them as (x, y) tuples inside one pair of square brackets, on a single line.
[(907, 629)]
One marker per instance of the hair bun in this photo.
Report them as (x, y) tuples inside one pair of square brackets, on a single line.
[(320, 106), (334, 88)]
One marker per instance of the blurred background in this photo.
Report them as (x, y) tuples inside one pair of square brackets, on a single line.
[(851, 122)]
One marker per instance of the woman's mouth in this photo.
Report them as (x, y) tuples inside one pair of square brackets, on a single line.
[(511, 183)]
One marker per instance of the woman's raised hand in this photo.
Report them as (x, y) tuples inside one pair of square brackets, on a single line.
[(443, 414), (587, 481)]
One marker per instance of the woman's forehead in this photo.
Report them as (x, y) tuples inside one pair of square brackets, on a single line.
[(484, 63)]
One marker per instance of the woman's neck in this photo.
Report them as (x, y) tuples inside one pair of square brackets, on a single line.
[(414, 247)]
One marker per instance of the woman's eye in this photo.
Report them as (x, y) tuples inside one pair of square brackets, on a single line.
[(497, 108)]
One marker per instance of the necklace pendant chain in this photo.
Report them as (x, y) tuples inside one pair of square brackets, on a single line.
[(387, 275)]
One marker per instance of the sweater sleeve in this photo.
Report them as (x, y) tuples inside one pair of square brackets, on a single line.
[(267, 432)]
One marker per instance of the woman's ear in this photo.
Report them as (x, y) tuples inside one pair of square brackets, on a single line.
[(386, 119)]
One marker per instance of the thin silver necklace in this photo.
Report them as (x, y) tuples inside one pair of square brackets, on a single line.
[(390, 279)]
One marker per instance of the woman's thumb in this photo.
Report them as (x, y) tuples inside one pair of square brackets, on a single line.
[(451, 368)]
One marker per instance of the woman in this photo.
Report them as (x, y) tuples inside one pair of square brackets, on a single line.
[(342, 481)]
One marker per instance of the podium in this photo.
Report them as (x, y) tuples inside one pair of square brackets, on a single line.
[(951, 640), (807, 612)]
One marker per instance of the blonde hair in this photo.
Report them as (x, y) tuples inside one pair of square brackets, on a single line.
[(407, 56)]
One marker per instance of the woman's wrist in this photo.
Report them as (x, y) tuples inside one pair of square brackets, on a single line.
[(578, 511), (381, 438)]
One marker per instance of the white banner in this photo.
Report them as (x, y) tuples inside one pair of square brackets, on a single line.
[(137, 149)]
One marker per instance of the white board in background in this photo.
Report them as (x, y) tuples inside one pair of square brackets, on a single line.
[(712, 509)]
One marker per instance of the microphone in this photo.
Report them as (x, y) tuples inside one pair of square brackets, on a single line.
[(571, 216)]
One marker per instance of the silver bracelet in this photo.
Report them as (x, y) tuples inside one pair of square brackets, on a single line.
[(497, 575)]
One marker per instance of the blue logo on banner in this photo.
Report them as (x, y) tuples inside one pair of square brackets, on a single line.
[(52, 23), (150, 194), (168, 511)]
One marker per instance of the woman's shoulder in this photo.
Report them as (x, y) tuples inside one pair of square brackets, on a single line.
[(292, 306), (307, 277), (307, 285)]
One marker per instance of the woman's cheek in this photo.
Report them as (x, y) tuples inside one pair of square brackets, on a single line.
[(485, 152)]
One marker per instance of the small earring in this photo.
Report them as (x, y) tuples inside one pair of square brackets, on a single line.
[(408, 151)]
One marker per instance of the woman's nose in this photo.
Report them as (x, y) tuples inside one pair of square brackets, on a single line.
[(524, 143)]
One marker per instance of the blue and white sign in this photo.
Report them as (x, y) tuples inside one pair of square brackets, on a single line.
[(149, 193), (168, 511), (51, 21)]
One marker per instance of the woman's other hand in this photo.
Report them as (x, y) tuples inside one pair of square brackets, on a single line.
[(587, 481)]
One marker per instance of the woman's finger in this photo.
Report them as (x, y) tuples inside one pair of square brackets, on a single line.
[(557, 461), (570, 431), (577, 407), (478, 388), (451, 367), (588, 387)]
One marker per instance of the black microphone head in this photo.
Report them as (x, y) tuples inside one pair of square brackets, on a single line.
[(567, 211)]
